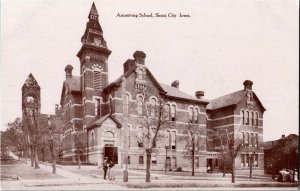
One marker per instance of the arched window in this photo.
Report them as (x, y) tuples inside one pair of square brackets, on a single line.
[(97, 106), (243, 116), (173, 113), (252, 139), (256, 118), (173, 140), (247, 117), (196, 112), (141, 159), (190, 114), (253, 118), (256, 140), (140, 105), (168, 136), (152, 107), (247, 139), (243, 135), (167, 111), (250, 118), (97, 78)]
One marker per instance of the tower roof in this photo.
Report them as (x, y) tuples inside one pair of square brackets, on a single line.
[(93, 10), (30, 82)]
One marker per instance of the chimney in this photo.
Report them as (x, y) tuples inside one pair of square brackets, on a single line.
[(282, 136), (199, 94), (175, 84), (248, 85), (68, 70), (139, 57), (128, 64)]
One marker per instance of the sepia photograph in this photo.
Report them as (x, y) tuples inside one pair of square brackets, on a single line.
[(149, 95)]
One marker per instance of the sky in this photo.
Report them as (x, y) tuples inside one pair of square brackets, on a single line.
[(219, 46)]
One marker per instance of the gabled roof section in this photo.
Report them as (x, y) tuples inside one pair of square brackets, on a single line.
[(230, 99), (118, 81), (176, 93), (99, 121), (72, 84)]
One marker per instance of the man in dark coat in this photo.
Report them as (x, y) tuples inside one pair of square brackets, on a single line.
[(105, 166)]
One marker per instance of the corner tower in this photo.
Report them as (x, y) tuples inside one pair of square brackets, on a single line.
[(93, 57), (31, 98)]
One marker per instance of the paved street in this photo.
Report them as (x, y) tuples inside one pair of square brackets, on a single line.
[(16, 175)]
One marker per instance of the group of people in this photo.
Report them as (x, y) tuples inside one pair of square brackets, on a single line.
[(108, 169), (286, 175)]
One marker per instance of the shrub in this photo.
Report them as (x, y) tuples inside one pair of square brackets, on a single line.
[(179, 169)]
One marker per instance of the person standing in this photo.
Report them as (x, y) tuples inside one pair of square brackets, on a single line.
[(111, 171), (105, 166)]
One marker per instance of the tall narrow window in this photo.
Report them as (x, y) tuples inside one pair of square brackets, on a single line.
[(128, 160), (83, 107), (83, 78), (256, 140), (190, 114), (127, 103), (173, 140), (196, 112), (167, 139), (167, 112), (173, 162), (247, 117), (173, 113), (140, 105), (252, 139), (253, 118), (243, 117), (243, 135), (250, 118), (247, 139), (247, 160), (141, 159), (97, 107), (97, 79), (242, 160), (256, 160), (152, 107), (256, 117)]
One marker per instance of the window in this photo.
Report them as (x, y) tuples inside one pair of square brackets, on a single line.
[(128, 160), (196, 112), (97, 79), (242, 160), (247, 160), (140, 136), (173, 140), (152, 107), (127, 103), (247, 139), (243, 135), (168, 138), (173, 113), (83, 78), (167, 111), (243, 116), (173, 162), (83, 106), (256, 140), (256, 117), (190, 114), (153, 159), (140, 105), (141, 159), (256, 160), (247, 117), (97, 107), (250, 118), (253, 118)]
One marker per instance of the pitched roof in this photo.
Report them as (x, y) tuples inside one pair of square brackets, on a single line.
[(226, 100), (73, 83), (230, 99), (99, 121), (175, 92)]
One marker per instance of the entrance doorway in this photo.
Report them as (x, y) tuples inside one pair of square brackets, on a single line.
[(111, 153)]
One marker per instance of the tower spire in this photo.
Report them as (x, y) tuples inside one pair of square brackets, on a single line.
[(93, 11)]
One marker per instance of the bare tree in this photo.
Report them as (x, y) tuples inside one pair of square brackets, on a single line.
[(155, 117), (231, 148), (192, 138)]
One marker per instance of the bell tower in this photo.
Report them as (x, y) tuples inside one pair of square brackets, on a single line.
[(93, 57), (31, 99)]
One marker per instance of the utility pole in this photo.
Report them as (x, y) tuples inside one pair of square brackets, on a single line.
[(125, 127)]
